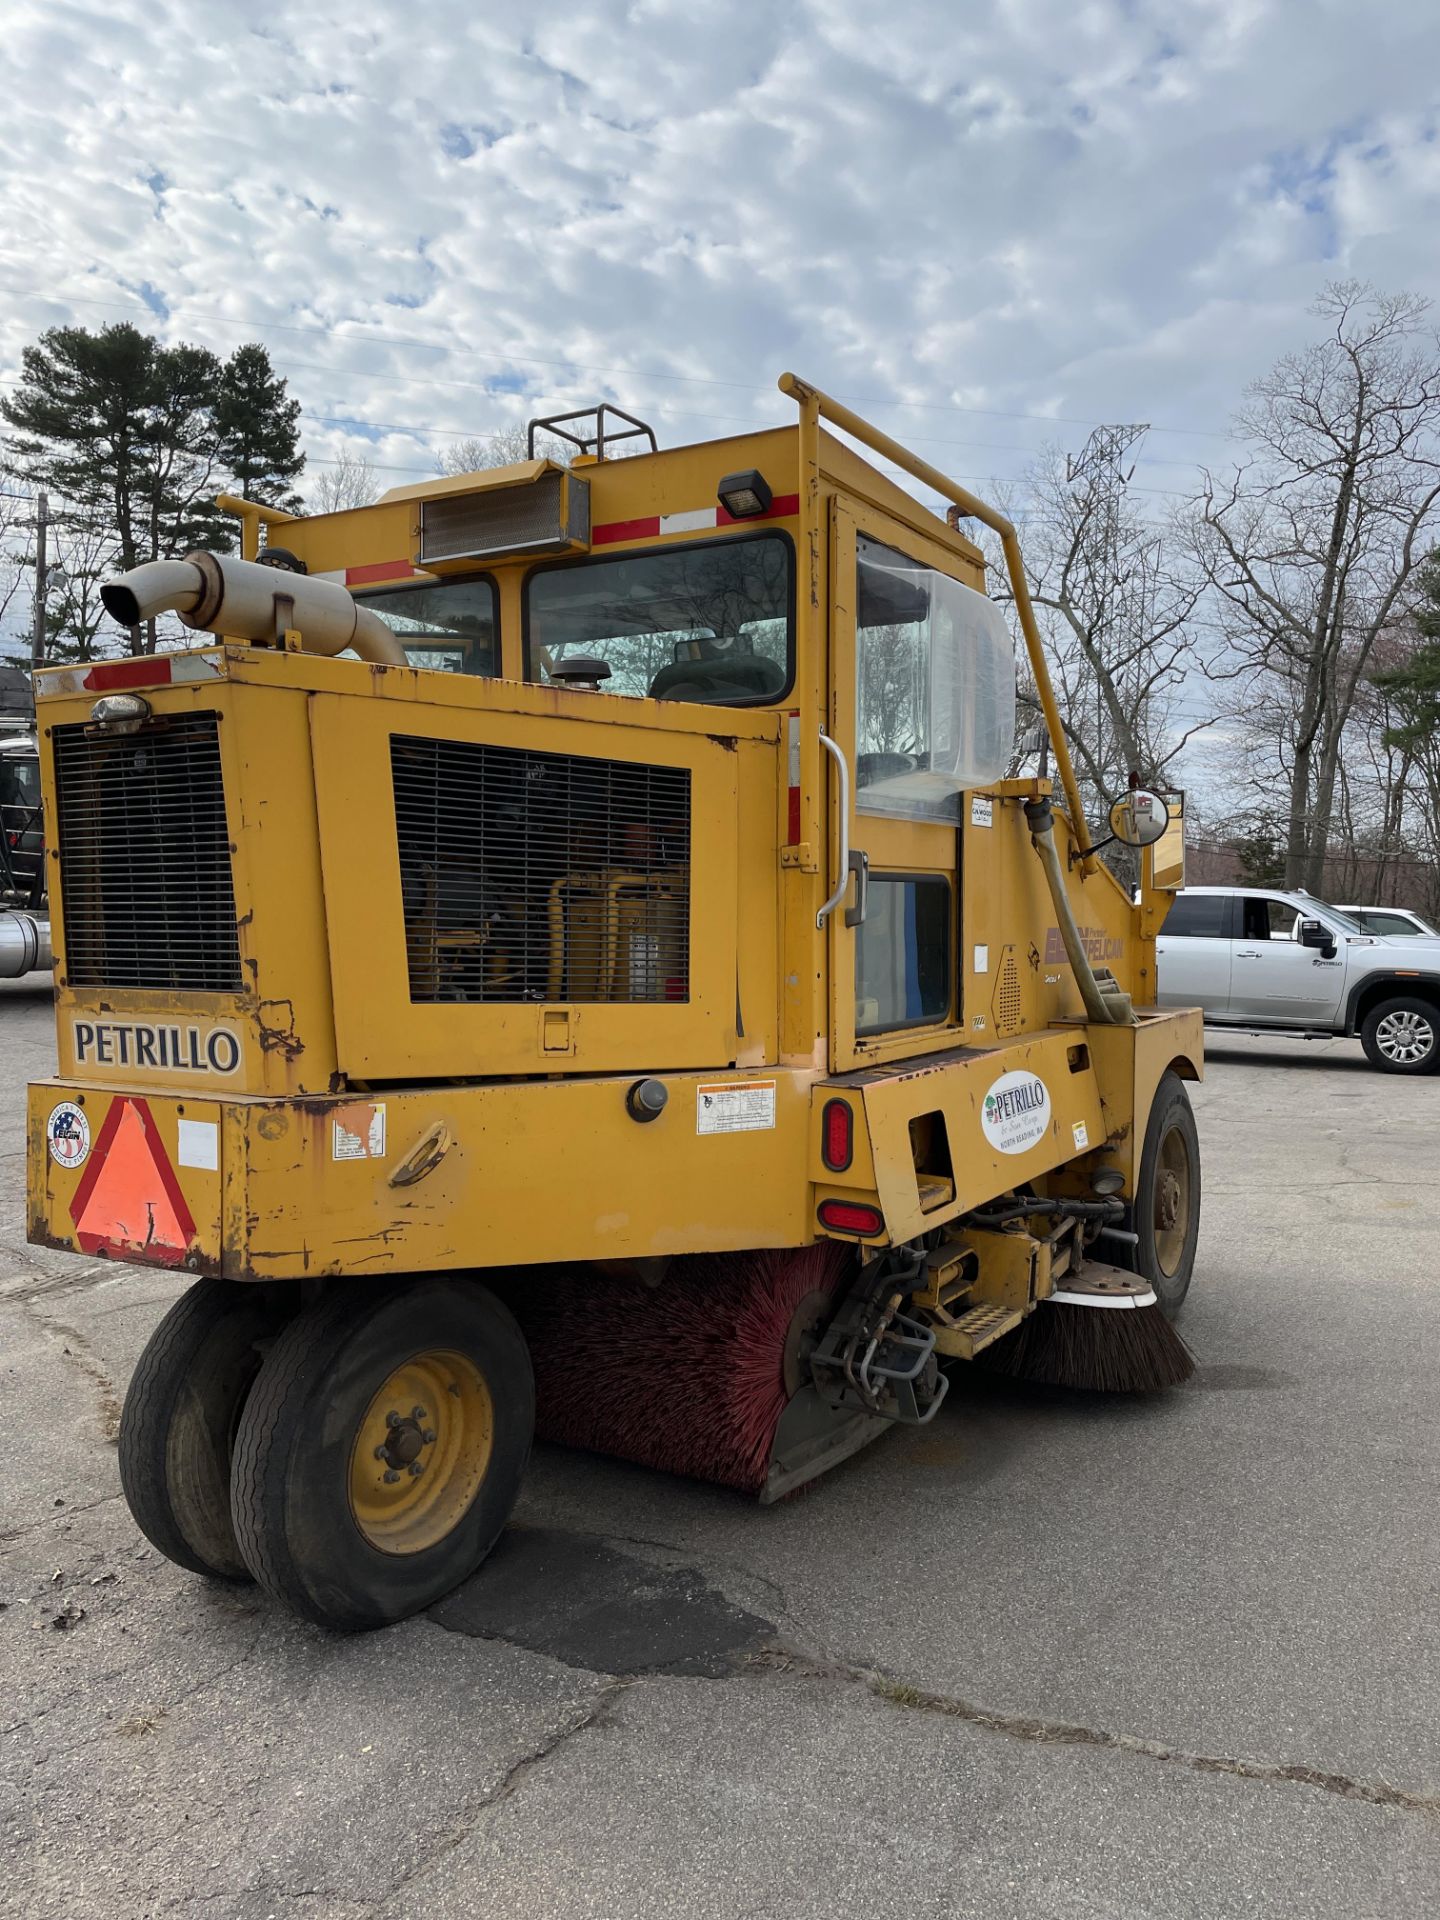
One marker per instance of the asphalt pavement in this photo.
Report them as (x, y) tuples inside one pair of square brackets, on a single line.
[(1053, 1657)]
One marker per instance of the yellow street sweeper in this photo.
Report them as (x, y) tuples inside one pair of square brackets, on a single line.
[(572, 952)]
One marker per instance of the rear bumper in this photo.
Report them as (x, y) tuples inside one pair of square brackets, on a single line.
[(522, 1173), (424, 1179)]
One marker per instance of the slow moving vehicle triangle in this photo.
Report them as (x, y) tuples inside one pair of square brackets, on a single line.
[(129, 1202)]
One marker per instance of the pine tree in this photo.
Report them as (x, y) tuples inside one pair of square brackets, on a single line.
[(1414, 687), (138, 438), (258, 428)]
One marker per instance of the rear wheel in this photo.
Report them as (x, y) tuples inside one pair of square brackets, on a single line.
[(1402, 1036), (1165, 1213), (381, 1449), (177, 1430)]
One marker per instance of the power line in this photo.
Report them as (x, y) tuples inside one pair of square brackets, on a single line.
[(383, 336)]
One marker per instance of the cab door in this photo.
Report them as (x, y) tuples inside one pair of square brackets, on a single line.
[(1276, 980), (919, 701)]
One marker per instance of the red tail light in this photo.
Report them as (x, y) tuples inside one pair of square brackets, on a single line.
[(847, 1216), (837, 1135)]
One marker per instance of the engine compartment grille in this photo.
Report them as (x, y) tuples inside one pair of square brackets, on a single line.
[(531, 876), (145, 877)]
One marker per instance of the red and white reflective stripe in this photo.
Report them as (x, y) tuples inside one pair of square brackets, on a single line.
[(380, 573), (114, 676), (793, 756), (698, 520)]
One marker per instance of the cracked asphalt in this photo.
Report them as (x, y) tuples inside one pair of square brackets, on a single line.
[(1050, 1657)]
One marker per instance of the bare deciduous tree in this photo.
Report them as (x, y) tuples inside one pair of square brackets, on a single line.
[(344, 483), (503, 449), (1116, 609), (1309, 545)]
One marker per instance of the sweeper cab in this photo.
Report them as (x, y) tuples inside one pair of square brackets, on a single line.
[(571, 948)]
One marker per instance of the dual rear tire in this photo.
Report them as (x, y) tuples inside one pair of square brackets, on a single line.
[(358, 1458)]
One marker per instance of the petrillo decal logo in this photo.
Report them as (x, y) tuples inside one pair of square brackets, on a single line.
[(1016, 1111)]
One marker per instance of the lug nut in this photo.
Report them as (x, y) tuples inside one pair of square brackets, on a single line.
[(428, 1436), (417, 1467), (379, 1453), (391, 1477), (392, 1419), (417, 1413)]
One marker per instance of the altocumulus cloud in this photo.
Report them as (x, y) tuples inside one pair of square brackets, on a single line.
[(439, 219)]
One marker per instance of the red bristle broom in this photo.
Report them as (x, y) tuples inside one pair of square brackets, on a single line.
[(687, 1377)]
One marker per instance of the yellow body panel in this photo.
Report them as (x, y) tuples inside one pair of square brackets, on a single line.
[(364, 1128)]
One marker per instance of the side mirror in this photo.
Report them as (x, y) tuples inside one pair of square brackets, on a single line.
[(1313, 933), (1139, 818)]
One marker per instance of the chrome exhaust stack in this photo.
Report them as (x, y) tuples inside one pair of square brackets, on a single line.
[(242, 600), (24, 945)]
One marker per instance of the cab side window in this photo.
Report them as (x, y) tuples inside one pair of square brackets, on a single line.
[(1198, 916), (1269, 920)]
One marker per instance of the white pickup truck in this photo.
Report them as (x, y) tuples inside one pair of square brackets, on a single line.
[(1264, 960)]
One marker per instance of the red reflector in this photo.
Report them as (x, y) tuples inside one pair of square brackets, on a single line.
[(127, 673), (837, 1127), (844, 1216)]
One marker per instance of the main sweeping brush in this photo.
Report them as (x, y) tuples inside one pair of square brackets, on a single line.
[(690, 1377), (1102, 1335)]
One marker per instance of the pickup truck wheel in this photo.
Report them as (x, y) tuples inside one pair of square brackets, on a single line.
[(1402, 1036), (181, 1413), (381, 1449), (1165, 1213)]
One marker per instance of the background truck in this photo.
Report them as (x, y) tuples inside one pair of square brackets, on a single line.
[(1261, 959), (24, 925), (570, 949)]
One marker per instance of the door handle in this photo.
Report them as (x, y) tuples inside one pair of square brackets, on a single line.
[(859, 865), (1247, 953), (842, 863)]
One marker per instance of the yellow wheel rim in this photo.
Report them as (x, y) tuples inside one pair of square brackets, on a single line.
[(1173, 1188), (422, 1452)]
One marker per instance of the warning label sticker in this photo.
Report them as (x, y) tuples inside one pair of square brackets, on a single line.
[(982, 810), (735, 1106), (358, 1132)]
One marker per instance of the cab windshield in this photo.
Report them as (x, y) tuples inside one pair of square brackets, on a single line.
[(1347, 921), (710, 622)]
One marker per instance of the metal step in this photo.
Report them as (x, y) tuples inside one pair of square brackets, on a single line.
[(977, 1328)]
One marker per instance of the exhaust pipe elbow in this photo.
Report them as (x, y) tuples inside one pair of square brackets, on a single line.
[(159, 586), (216, 593)]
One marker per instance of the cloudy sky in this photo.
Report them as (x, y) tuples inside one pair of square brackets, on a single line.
[(991, 222)]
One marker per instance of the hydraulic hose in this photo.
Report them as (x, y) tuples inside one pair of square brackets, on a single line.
[(1105, 1009)]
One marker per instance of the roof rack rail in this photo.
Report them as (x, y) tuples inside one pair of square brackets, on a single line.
[(560, 424)]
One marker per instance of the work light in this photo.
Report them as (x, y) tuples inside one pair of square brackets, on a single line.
[(744, 495)]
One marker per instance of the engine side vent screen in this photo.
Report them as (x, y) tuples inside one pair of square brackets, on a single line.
[(532, 876), (145, 877)]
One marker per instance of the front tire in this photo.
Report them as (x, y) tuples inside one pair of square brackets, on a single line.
[(181, 1414), (1402, 1036), (381, 1449), (1165, 1212)]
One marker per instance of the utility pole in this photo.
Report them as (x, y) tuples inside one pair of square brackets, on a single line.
[(42, 523)]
